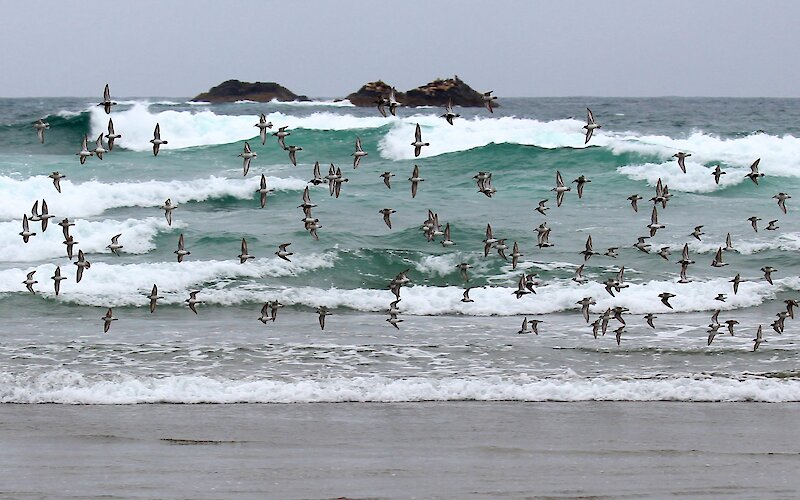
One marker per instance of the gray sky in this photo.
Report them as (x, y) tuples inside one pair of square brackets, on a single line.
[(331, 48)]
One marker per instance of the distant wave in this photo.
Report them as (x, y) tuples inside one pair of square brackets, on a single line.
[(71, 387), (226, 282), (94, 197), (184, 129)]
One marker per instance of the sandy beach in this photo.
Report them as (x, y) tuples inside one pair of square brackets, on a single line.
[(401, 450)]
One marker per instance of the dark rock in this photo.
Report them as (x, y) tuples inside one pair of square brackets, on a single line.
[(234, 90), (436, 93), (368, 94)]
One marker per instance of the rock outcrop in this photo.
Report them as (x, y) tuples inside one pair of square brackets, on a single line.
[(234, 90), (436, 93)]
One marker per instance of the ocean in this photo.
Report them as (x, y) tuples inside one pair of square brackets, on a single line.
[(54, 349)]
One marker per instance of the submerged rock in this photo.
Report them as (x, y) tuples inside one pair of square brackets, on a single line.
[(234, 90)]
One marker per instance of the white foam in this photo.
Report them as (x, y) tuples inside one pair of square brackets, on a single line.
[(92, 237), (126, 284), (183, 129), (93, 197), (788, 242), (697, 179), (230, 283), (70, 387)]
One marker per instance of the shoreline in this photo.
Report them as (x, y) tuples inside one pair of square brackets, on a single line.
[(400, 450)]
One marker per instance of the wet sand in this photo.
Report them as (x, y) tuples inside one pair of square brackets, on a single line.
[(401, 450)]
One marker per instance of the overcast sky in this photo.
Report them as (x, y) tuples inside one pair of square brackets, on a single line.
[(331, 48)]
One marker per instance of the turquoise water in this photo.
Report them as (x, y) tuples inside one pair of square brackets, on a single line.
[(54, 348)]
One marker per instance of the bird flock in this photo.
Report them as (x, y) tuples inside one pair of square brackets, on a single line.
[(431, 228)]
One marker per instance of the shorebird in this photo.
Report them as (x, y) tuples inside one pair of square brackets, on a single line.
[(446, 241), (521, 288), (264, 317), (392, 102), (488, 99), (578, 278), (317, 177), (759, 339), (618, 334), (281, 135), (717, 173), (641, 245), (40, 127), (99, 150), (560, 189), (111, 136), (26, 233), (84, 152), (181, 252), (29, 282), (168, 207), (524, 330), (418, 141), (322, 311), (263, 125), (712, 332), (43, 217), (56, 176), (449, 114), (156, 140), (611, 252), (731, 323), (336, 183), (681, 156), (588, 252), (359, 153), (192, 301), (293, 153), (665, 296), (115, 246), (107, 319), (386, 213), (634, 198), (154, 296), (466, 297), (717, 262), (273, 309), (596, 327), (462, 269), (721, 297), (387, 176), (650, 317), (585, 303), (664, 253), (654, 225), (790, 305), (772, 225), (107, 103), (736, 280), (244, 256), (69, 242), (246, 156), (82, 264), (501, 248), (590, 126), (283, 253), (782, 197), (485, 187), (753, 222), (541, 208), (306, 199), (728, 243), (534, 324), (263, 190), (394, 320), (582, 180), (515, 255), (697, 233), (57, 279), (393, 307), (767, 270), (754, 173), (415, 180), (381, 102)]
